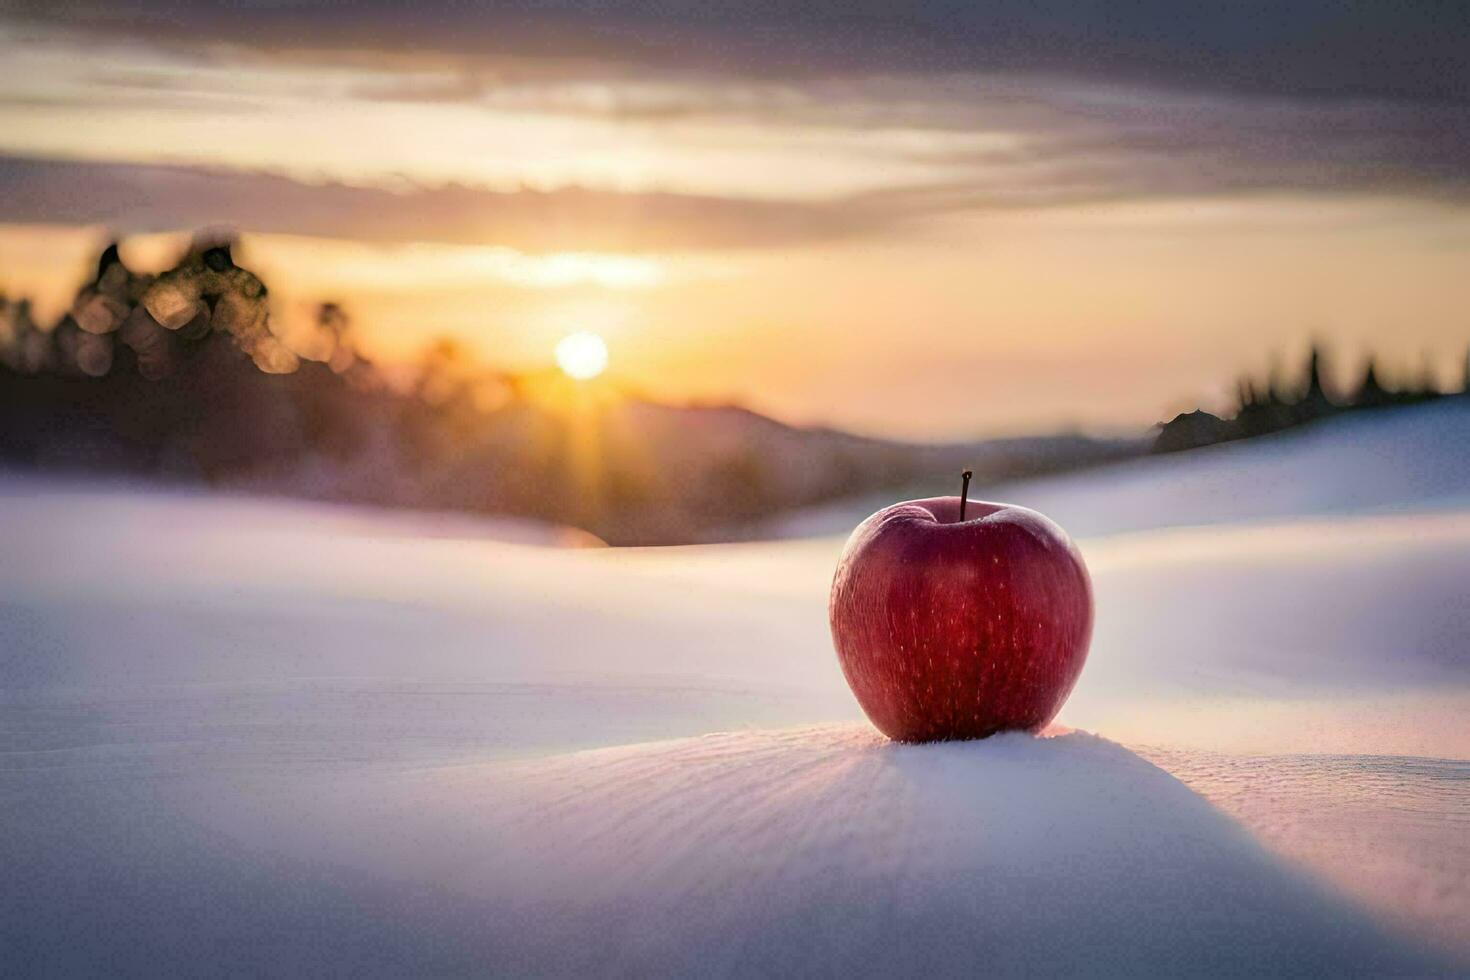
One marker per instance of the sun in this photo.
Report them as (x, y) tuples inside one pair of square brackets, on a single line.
[(581, 355)]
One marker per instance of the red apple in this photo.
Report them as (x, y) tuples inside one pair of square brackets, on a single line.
[(950, 629)]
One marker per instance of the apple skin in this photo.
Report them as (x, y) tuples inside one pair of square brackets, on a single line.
[(955, 630)]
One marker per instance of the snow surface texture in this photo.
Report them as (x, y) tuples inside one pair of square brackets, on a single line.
[(245, 736)]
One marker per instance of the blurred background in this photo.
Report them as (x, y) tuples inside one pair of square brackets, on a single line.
[(666, 276)]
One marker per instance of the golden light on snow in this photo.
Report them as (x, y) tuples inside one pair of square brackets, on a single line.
[(581, 355)]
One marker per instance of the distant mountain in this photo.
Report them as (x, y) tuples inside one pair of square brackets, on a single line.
[(181, 376), (624, 468)]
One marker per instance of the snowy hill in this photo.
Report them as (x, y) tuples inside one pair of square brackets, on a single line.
[(272, 737), (1403, 458)]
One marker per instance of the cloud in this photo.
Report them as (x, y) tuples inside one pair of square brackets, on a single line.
[(1062, 145), (1075, 144), (1308, 48), (133, 198), (925, 108), (985, 141)]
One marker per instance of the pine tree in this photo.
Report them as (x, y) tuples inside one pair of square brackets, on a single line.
[(1314, 401), (1371, 393), (1245, 394)]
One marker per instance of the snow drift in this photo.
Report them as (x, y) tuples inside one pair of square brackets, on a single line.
[(271, 737), (821, 852)]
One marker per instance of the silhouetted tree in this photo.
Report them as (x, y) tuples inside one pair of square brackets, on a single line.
[(1245, 394), (1281, 404), (1314, 402), (1277, 391), (1371, 393)]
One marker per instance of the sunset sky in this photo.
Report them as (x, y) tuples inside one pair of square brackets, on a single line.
[(930, 221)]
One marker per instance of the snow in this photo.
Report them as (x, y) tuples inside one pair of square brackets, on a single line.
[(1392, 832), (1348, 635), (262, 736), (1406, 459), (804, 852)]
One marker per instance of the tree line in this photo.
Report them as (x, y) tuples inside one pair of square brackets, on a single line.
[(1280, 403)]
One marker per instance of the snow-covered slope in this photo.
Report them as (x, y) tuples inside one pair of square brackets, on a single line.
[(291, 739), (1408, 458), (810, 852), (1222, 638)]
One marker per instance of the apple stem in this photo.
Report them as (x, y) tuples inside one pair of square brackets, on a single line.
[(964, 491)]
